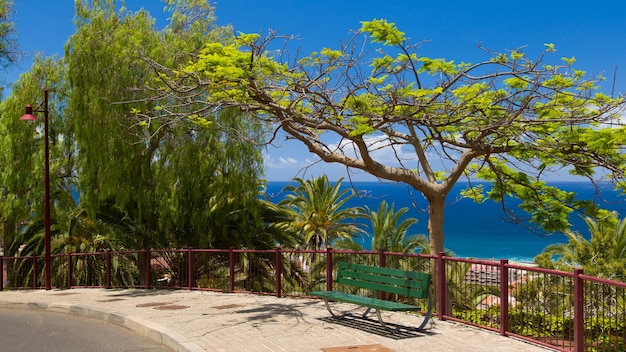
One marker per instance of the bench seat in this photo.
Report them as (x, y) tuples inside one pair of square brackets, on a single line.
[(364, 301)]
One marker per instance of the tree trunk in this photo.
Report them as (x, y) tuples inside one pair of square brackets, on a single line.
[(436, 208)]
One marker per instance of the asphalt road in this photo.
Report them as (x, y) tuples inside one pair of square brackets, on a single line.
[(32, 331)]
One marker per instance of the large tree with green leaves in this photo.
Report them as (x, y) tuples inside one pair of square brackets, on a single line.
[(509, 119), (22, 159), (182, 184), (7, 56)]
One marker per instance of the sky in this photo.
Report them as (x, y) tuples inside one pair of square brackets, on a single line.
[(594, 33)]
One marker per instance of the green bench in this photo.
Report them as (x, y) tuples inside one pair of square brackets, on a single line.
[(376, 280)]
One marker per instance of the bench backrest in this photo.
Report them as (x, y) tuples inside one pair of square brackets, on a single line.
[(402, 282)]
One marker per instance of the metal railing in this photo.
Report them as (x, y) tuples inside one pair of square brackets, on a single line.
[(566, 311)]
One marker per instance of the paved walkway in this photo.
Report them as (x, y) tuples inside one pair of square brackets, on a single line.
[(210, 321)]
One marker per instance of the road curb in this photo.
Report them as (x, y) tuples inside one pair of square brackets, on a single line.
[(138, 325)]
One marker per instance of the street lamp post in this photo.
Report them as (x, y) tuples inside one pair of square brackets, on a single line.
[(28, 116)]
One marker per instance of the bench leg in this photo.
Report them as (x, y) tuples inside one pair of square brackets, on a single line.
[(367, 311), (328, 308), (380, 320), (427, 317), (429, 312)]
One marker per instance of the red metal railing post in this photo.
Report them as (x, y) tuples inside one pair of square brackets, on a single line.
[(69, 270), (1, 273), (190, 266), (107, 278), (231, 264), (35, 273), (89, 270), (504, 297), (329, 268), (278, 258), (148, 259), (382, 262), (440, 289), (579, 314)]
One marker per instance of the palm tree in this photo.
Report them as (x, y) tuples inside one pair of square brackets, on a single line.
[(316, 209), (602, 255), (390, 231)]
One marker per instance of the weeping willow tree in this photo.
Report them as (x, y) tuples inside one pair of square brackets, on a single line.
[(184, 183), (100, 58), (10, 147), (22, 162)]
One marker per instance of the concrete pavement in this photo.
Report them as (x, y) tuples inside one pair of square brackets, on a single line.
[(210, 321)]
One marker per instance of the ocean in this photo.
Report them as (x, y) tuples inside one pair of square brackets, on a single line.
[(474, 230)]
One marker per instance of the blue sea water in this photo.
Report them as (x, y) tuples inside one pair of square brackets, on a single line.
[(475, 230)]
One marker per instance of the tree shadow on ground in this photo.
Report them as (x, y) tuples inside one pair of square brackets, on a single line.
[(270, 311), (139, 292)]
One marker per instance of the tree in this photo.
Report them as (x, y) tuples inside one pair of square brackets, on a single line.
[(22, 159), (103, 63), (7, 56), (183, 184), (316, 209), (390, 232), (602, 255), (509, 119)]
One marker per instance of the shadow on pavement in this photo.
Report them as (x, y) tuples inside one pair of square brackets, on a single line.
[(371, 326), (139, 292)]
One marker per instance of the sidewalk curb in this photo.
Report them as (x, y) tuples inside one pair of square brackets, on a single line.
[(138, 325)]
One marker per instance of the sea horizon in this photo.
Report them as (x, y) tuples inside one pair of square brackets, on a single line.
[(472, 230)]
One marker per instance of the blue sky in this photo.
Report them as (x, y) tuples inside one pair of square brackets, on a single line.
[(595, 33)]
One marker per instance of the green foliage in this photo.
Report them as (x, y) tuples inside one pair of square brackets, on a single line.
[(187, 184), (389, 231), (550, 47), (602, 255), (384, 32), (601, 334), (475, 193), (548, 206), (22, 159), (112, 167), (483, 317), (8, 44), (436, 66), (526, 323), (315, 209), (516, 83)]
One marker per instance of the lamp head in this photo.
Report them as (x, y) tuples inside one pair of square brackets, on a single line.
[(28, 114)]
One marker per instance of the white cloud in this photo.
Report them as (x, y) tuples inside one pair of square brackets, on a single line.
[(381, 150), (285, 158), (287, 161)]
